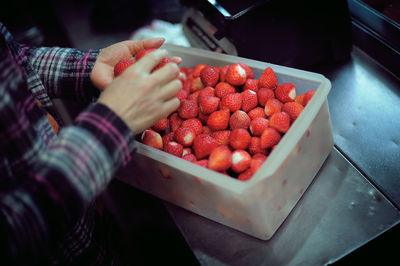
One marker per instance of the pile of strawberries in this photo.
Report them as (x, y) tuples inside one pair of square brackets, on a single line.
[(228, 121)]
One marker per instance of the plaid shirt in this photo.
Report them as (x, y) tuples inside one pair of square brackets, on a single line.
[(48, 182)]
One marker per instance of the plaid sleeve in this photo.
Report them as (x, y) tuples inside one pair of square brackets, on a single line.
[(64, 72)]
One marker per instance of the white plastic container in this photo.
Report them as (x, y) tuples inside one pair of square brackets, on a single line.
[(257, 206)]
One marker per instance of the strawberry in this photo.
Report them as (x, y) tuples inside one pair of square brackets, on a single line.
[(194, 124), (223, 88), (143, 52), (245, 175), (187, 150), (221, 136), (241, 160), (239, 139), (251, 84), (222, 73), (194, 96), (264, 94), (307, 97), (255, 146), (173, 148), (220, 158), (188, 109), (161, 125), (236, 75), (189, 157), (250, 100), (203, 145), (206, 92), (203, 117), (258, 125), (152, 139), (167, 138), (185, 136), (197, 70), (121, 66), (203, 163), (293, 109), (280, 121), (257, 112), (269, 138), (272, 106), (249, 71), (239, 119), (232, 101), (218, 120), (187, 85), (256, 161), (206, 130), (300, 99), (286, 92), (182, 95), (209, 104), (268, 79), (209, 76), (162, 63), (175, 121)]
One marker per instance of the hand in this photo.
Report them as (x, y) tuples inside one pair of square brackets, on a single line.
[(103, 70), (141, 97)]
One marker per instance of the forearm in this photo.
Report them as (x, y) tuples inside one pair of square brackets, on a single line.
[(64, 72)]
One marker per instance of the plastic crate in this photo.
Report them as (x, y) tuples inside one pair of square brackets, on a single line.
[(257, 206)]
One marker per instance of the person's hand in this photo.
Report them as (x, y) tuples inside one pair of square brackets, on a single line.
[(103, 70), (141, 97)]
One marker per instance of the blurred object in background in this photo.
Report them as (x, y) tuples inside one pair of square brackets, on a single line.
[(390, 8)]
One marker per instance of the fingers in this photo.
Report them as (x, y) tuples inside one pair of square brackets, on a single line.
[(136, 46), (170, 90), (150, 60)]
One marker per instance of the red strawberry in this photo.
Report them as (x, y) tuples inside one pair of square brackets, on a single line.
[(196, 85), (218, 120), (206, 130), (197, 69), (286, 92), (250, 100), (182, 95), (194, 96), (203, 145), (187, 150), (185, 136), (239, 139), (221, 136), (209, 104), (249, 71), (268, 79), (209, 76), (223, 88), (161, 125), (272, 106), (236, 75), (239, 119), (251, 84), (174, 148), (232, 101), (280, 121), (241, 160), (293, 109), (245, 175), (258, 125), (257, 112), (203, 118), (256, 161), (264, 94), (152, 139), (175, 121), (222, 73), (187, 85), (203, 163), (162, 63), (190, 157), (307, 97), (167, 138), (194, 124), (143, 52), (220, 158), (121, 66), (206, 92), (300, 99), (255, 146), (188, 109), (269, 138)]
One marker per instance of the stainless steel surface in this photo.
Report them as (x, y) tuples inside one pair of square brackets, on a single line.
[(339, 212)]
